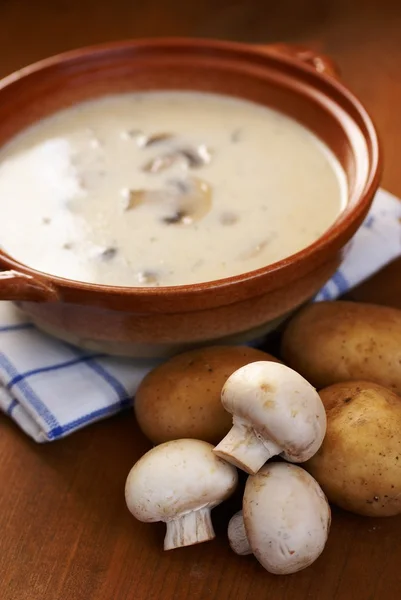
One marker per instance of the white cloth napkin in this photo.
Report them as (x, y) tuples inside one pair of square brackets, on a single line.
[(51, 389)]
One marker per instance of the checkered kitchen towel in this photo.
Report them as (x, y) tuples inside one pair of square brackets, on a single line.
[(51, 389)]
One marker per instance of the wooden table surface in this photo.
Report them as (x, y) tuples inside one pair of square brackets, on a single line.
[(65, 533)]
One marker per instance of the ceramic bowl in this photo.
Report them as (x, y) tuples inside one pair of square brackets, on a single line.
[(161, 321)]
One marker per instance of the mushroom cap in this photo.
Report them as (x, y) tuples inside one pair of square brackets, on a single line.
[(287, 517), (177, 477), (280, 405), (237, 536)]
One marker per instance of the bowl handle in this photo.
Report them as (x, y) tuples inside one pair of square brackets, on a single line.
[(15, 285), (320, 62)]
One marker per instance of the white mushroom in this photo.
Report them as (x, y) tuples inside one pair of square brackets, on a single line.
[(179, 482), (275, 411), (285, 519), (237, 534)]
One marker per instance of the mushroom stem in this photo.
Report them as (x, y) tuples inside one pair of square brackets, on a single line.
[(237, 536), (192, 528), (243, 448)]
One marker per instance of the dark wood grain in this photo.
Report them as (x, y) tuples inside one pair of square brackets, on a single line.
[(65, 533)]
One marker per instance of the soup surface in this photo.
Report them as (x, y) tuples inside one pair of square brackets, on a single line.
[(164, 188)]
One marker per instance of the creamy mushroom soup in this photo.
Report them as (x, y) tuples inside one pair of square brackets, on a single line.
[(164, 188)]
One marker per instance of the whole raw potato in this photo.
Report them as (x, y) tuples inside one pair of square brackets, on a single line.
[(358, 465), (328, 342), (181, 397)]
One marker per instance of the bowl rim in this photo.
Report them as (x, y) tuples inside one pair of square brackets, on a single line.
[(338, 227)]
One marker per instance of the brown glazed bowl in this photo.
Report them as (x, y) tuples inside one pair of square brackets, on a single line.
[(147, 322)]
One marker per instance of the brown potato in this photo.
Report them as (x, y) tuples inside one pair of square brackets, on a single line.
[(328, 342), (359, 463), (181, 397)]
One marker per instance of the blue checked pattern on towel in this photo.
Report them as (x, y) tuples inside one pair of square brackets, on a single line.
[(51, 389)]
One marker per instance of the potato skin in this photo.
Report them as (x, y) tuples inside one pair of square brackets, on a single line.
[(358, 465), (329, 342), (181, 397)]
